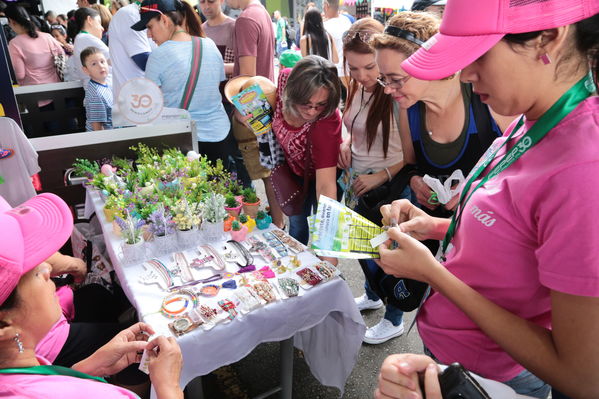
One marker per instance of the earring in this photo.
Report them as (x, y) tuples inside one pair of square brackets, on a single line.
[(19, 343), (545, 59)]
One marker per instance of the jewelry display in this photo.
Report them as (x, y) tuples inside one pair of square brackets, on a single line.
[(326, 270), (220, 264), (210, 279), (207, 313), (289, 286), (308, 276), (178, 303), (228, 307), (264, 291), (247, 256), (156, 272), (291, 242), (294, 262), (209, 290), (274, 243), (279, 267), (263, 274), (260, 247), (198, 263), (183, 266), (245, 299), (183, 325)]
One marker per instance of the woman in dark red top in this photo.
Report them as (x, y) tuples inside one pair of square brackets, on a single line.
[(306, 114)]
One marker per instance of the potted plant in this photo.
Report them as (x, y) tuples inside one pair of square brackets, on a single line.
[(131, 231), (213, 216), (247, 221), (228, 223), (187, 218), (233, 207), (238, 231), (250, 202), (162, 227), (263, 220)]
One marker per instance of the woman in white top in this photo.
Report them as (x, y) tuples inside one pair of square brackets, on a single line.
[(372, 150), (89, 27), (316, 40)]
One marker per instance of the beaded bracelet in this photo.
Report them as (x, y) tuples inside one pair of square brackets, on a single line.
[(291, 242), (228, 307), (326, 270), (188, 296), (161, 271)]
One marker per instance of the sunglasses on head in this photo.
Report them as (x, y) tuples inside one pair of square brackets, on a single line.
[(363, 36)]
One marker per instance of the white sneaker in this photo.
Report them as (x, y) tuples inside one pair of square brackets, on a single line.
[(363, 303), (382, 332)]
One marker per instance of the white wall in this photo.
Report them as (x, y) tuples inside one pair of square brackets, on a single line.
[(59, 6)]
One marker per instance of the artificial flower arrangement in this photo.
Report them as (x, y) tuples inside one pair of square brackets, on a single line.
[(166, 190)]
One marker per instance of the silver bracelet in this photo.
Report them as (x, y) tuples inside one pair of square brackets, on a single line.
[(388, 174)]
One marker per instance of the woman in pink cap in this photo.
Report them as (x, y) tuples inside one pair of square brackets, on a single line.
[(519, 287), (30, 234)]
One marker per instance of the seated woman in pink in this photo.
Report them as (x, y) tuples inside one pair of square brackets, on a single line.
[(29, 307)]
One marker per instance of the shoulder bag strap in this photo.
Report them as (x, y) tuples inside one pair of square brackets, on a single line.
[(194, 72)]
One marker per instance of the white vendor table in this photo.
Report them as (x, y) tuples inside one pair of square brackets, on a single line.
[(324, 323)]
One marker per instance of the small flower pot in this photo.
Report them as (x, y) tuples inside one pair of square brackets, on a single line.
[(161, 245), (233, 211), (187, 238), (210, 232), (251, 209), (228, 223), (110, 214), (264, 223), (134, 253), (240, 234), (250, 224)]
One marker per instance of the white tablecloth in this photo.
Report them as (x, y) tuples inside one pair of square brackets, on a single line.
[(324, 322)]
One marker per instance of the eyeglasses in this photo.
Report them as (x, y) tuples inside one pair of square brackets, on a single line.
[(364, 36), (308, 107), (393, 83)]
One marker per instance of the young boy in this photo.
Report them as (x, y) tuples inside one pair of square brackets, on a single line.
[(98, 94)]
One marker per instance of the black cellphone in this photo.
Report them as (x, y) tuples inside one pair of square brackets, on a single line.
[(457, 383)]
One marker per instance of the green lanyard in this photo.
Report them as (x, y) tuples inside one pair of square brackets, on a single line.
[(558, 111), (51, 370), (83, 31)]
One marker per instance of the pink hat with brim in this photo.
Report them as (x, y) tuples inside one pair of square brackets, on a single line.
[(471, 28), (29, 234)]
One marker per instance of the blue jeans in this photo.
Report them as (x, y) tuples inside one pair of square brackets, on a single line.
[(393, 314), (298, 224), (525, 383)]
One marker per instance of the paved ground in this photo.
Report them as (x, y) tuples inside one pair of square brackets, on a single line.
[(258, 372)]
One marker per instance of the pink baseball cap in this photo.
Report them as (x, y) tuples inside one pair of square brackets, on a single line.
[(470, 28), (29, 234)]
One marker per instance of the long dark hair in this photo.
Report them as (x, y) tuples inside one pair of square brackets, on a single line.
[(19, 15), (316, 34), (586, 41), (186, 16), (381, 106), (81, 16)]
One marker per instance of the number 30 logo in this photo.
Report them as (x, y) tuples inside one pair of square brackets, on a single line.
[(143, 101)]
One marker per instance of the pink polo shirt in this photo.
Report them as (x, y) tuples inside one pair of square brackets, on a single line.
[(531, 229), (32, 386)]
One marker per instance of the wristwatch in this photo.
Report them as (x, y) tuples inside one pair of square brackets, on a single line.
[(183, 325)]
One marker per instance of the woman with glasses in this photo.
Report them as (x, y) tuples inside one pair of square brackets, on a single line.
[(307, 124), (176, 28), (516, 295), (316, 40), (371, 154), (444, 126)]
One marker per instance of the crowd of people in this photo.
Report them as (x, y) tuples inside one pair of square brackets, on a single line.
[(495, 100)]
